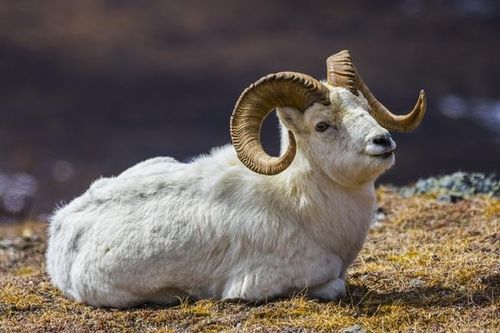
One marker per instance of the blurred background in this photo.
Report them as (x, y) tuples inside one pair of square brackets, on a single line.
[(90, 87)]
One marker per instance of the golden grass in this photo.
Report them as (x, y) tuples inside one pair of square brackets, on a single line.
[(428, 267)]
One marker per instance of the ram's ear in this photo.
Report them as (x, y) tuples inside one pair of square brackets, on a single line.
[(291, 118)]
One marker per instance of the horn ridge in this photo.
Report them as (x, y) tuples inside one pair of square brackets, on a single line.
[(341, 72)]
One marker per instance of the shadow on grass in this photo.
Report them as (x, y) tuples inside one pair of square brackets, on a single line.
[(426, 297)]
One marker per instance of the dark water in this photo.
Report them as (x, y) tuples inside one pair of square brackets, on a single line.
[(88, 88)]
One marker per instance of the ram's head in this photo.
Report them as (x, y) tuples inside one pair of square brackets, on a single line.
[(338, 124)]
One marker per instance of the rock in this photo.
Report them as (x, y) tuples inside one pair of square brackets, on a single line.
[(416, 282), (449, 198), (17, 243), (354, 329), (6, 243), (377, 218), (455, 187)]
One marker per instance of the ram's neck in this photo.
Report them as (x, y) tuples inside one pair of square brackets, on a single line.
[(310, 186), (337, 217)]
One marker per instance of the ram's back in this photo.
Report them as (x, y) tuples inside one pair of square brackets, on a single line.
[(106, 217)]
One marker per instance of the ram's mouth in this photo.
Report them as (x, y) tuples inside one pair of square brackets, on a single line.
[(385, 154)]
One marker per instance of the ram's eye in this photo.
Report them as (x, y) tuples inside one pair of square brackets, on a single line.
[(322, 126)]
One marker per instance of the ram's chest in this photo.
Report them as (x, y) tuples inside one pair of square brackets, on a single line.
[(342, 224)]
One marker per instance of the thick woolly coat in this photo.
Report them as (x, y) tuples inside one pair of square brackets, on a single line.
[(210, 228)]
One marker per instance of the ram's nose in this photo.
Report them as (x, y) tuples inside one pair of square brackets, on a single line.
[(384, 140), (380, 144)]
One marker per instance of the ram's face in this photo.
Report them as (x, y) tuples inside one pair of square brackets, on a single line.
[(342, 138)]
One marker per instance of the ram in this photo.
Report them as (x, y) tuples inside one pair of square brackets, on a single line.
[(238, 223)]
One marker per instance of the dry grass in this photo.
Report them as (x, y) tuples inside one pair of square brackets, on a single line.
[(428, 267)]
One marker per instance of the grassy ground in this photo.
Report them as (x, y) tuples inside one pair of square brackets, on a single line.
[(427, 267)]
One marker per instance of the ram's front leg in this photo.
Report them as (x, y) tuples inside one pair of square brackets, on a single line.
[(267, 280), (254, 287), (276, 277), (330, 291)]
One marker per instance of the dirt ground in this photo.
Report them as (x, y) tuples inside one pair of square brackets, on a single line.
[(427, 266)]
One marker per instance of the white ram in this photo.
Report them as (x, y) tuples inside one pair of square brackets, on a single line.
[(237, 223)]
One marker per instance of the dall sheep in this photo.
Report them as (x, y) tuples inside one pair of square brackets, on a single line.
[(238, 223)]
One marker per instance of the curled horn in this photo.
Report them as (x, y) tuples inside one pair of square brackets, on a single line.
[(341, 72), (256, 102)]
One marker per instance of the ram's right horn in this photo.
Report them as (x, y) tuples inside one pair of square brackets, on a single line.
[(342, 73), (393, 122), (256, 102)]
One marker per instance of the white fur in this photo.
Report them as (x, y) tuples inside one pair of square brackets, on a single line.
[(212, 228)]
